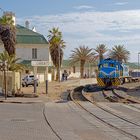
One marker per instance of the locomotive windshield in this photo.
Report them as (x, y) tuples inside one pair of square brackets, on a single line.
[(111, 65), (106, 65)]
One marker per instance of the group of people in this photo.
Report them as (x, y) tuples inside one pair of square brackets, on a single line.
[(65, 75)]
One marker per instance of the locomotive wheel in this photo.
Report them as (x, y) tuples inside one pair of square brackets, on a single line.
[(122, 81)]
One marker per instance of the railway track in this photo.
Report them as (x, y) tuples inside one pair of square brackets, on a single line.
[(116, 97), (49, 124), (113, 96), (110, 96), (111, 112), (77, 98), (127, 98)]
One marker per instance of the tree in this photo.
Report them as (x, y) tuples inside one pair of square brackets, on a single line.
[(6, 20), (56, 46), (7, 34), (82, 54), (101, 49), (120, 53), (11, 61)]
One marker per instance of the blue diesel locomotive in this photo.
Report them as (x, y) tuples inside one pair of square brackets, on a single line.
[(111, 73)]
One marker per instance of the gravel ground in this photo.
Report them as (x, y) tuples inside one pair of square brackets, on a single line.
[(133, 89)]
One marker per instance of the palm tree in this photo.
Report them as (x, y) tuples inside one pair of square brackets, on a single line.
[(120, 53), (6, 20), (82, 55), (7, 34), (56, 46), (11, 61), (101, 49)]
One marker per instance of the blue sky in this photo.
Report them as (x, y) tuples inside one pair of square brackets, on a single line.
[(83, 22)]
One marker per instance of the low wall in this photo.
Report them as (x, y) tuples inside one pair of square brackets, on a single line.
[(12, 81), (41, 77)]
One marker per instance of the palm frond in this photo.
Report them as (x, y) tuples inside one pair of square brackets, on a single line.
[(82, 54), (120, 53), (12, 62)]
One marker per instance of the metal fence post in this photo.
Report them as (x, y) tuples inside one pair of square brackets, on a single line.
[(35, 86), (46, 86)]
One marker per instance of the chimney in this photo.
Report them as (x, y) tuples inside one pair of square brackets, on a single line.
[(34, 29), (10, 14), (27, 24)]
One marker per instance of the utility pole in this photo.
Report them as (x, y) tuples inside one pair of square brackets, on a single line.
[(59, 65), (138, 64)]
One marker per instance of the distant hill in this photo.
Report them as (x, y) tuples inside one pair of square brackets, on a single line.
[(66, 63), (132, 65)]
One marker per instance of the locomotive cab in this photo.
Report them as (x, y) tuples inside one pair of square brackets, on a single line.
[(106, 73), (109, 72)]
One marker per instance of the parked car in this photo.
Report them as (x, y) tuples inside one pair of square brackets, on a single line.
[(29, 80)]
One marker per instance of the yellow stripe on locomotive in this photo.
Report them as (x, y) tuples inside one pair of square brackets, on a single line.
[(113, 82)]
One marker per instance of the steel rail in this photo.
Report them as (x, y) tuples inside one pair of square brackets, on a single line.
[(100, 119), (48, 123), (127, 98)]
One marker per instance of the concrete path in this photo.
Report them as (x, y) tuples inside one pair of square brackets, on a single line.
[(24, 122), (63, 120), (44, 119), (72, 123)]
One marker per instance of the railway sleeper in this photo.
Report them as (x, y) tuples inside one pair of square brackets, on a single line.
[(125, 101), (111, 98)]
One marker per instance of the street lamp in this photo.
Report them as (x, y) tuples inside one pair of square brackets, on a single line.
[(138, 65), (59, 65)]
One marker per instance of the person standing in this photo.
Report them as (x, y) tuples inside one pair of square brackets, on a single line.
[(65, 75)]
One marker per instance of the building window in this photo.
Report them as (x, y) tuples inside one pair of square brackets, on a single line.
[(34, 53)]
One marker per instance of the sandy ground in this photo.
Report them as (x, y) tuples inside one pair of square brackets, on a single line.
[(131, 85), (56, 89)]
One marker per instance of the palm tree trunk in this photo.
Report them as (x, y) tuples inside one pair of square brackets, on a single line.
[(73, 69), (8, 37), (101, 57), (53, 74), (57, 74), (82, 63)]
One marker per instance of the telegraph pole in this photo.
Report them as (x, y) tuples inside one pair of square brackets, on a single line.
[(138, 64), (59, 64)]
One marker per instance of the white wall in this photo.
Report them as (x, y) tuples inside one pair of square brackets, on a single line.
[(24, 51), (41, 77)]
